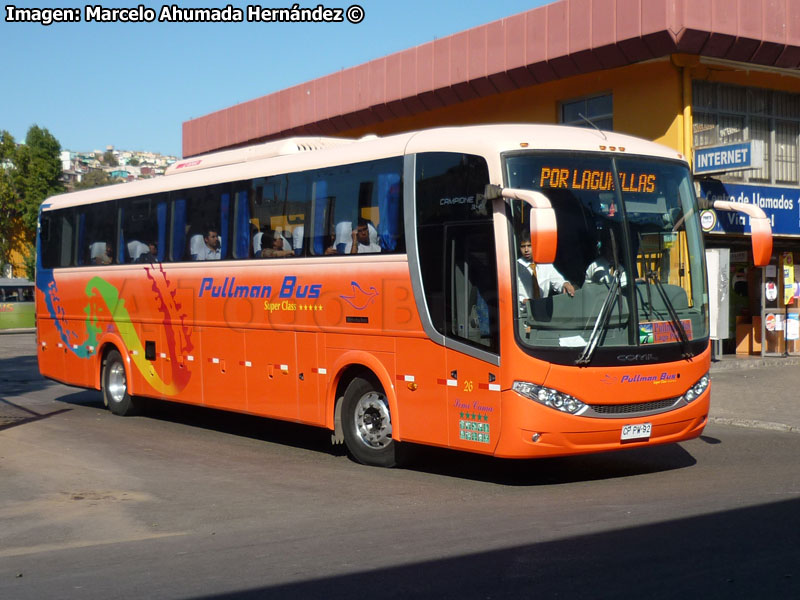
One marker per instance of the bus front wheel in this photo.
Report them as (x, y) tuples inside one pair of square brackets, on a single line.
[(115, 386), (367, 424)]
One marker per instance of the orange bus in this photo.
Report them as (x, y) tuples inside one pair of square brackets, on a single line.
[(512, 290)]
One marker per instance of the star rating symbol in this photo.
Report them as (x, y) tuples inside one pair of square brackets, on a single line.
[(311, 307)]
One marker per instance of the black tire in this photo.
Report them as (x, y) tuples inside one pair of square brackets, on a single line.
[(115, 387), (367, 424)]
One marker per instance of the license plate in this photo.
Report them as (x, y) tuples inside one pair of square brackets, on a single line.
[(640, 431)]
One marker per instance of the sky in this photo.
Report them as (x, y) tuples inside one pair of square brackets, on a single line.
[(132, 85)]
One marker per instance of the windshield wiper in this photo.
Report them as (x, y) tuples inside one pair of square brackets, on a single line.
[(601, 322), (673, 316), (604, 316)]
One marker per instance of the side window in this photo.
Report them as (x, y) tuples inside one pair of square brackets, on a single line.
[(455, 239), (358, 208), (144, 227), (201, 223), (471, 295), (277, 216), (50, 239), (97, 234), (58, 238)]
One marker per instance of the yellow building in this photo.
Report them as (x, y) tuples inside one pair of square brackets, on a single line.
[(15, 267)]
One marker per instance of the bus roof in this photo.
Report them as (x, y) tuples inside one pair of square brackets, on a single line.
[(299, 154)]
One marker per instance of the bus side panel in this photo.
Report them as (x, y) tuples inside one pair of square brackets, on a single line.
[(421, 399), (271, 388), (50, 350), (473, 403), (78, 369), (223, 366), (310, 382)]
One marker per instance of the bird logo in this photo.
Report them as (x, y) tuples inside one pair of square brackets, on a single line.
[(361, 298)]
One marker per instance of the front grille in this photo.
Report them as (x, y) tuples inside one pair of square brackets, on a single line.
[(634, 409)]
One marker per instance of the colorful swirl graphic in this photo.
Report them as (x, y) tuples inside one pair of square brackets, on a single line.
[(104, 301)]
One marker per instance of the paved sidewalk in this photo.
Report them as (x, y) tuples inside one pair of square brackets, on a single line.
[(735, 362), (756, 392)]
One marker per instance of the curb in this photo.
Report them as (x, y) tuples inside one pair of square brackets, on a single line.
[(754, 424), (734, 364)]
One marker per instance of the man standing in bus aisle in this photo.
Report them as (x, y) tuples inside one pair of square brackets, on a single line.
[(365, 238), (211, 248), (537, 280)]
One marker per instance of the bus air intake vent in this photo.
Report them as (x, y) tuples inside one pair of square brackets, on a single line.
[(628, 410)]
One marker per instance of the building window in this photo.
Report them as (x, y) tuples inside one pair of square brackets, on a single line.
[(724, 113), (597, 109)]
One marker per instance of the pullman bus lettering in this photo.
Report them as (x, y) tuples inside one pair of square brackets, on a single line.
[(228, 288)]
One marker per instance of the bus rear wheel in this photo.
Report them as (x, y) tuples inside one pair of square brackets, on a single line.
[(367, 424), (115, 386)]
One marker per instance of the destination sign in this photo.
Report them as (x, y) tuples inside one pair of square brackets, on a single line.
[(595, 180)]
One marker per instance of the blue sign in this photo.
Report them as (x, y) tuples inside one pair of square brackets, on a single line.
[(780, 204), (729, 157)]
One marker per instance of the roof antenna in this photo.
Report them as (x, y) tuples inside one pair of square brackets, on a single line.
[(600, 131)]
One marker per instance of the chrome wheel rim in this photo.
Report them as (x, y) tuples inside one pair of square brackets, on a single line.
[(373, 421), (117, 384)]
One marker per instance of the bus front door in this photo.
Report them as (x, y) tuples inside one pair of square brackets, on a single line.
[(471, 328)]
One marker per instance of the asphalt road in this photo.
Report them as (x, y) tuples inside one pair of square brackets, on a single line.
[(192, 503)]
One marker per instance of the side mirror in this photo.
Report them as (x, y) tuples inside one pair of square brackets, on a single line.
[(544, 232), (760, 228)]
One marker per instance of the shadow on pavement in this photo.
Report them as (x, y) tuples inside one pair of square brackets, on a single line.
[(20, 374), (13, 415), (438, 461), (745, 553)]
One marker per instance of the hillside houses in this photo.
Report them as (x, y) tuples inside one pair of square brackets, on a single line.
[(120, 165)]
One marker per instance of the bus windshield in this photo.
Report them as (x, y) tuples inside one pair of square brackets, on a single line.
[(629, 267)]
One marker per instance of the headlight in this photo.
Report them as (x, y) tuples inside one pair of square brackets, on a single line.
[(694, 392), (550, 397)]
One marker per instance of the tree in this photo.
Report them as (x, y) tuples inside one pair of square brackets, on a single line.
[(37, 171), (29, 173), (94, 178), (8, 197)]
